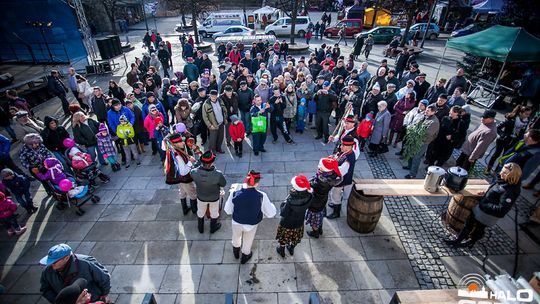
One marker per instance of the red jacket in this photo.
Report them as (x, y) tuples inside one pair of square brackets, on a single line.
[(365, 128), (235, 56), (7, 208), (237, 131)]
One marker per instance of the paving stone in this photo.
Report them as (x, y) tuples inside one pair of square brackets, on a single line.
[(276, 157), (383, 247), (337, 249), (201, 298), (157, 183), (206, 252), (267, 229), (18, 299), (147, 171), (136, 183), (85, 247), (402, 274), (372, 275), (228, 257), (116, 213), (224, 233), (188, 231), (219, 278), (27, 283), (137, 278), (34, 251), (10, 274), (116, 252), (164, 252), (115, 183), (268, 254), (181, 279), (144, 213), (268, 167), (159, 230), (328, 276), (330, 229), (41, 231), (302, 166), (293, 297), (353, 297), (263, 298), (267, 278), (166, 197), (74, 231), (136, 197), (137, 298), (236, 168), (111, 231)]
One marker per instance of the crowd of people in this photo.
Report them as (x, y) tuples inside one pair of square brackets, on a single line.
[(254, 93)]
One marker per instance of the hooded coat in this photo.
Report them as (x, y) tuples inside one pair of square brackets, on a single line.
[(293, 209), (182, 113), (322, 183), (54, 139)]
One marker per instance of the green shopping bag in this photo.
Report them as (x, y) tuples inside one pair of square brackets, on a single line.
[(258, 124)]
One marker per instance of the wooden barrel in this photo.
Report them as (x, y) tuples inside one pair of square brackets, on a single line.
[(363, 211), (459, 209)]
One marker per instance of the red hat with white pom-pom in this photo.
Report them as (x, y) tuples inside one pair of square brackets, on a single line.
[(301, 183), (328, 164)]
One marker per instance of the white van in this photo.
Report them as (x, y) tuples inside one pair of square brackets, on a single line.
[(219, 22), (282, 26)]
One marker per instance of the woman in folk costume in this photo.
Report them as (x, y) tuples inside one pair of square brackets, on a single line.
[(327, 176), (178, 164), (293, 210)]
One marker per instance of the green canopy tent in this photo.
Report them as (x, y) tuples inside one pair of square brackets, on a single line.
[(501, 43)]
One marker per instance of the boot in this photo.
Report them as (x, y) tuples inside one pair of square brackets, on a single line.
[(335, 213), (290, 248), (185, 208), (246, 258), (313, 234), (236, 252), (20, 231), (214, 225), (29, 210), (469, 243), (320, 230), (281, 250), (34, 208), (11, 232), (200, 224), (193, 204)]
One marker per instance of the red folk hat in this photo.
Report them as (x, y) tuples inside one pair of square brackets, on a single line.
[(175, 138), (328, 164), (350, 118), (208, 157), (301, 183), (348, 141)]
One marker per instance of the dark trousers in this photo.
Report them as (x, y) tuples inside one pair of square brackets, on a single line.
[(120, 148), (216, 138), (258, 141), (25, 199), (238, 146), (463, 162), (65, 104), (473, 229), (8, 163), (11, 222), (438, 153), (321, 123), (362, 142), (500, 147), (278, 122)]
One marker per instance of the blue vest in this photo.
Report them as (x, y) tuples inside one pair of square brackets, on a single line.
[(348, 177), (247, 206)]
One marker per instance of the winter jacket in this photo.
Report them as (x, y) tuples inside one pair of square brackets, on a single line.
[(31, 158), (381, 80), (506, 131), (5, 147), (325, 102), (522, 154), (79, 266), (400, 110), (263, 92), (208, 182), (113, 117), (275, 69), (139, 121), (409, 76), (237, 130), (245, 99), (442, 111), (54, 139), (209, 117), (432, 131), (19, 184), (159, 106), (7, 208), (85, 134), (118, 93), (171, 99), (105, 145), (150, 124), (413, 116), (290, 110), (497, 202), (370, 104), (56, 86), (126, 133), (365, 128), (278, 108), (433, 93), (235, 56), (100, 107), (231, 104), (421, 89), (322, 183), (32, 126), (191, 72), (182, 113), (479, 140), (454, 82), (391, 100), (381, 125), (293, 209)]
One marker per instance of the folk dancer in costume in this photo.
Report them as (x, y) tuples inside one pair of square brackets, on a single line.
[(348, 129), (247, 206), (178, 164), (327, 176), (346, 160), (209, 182)]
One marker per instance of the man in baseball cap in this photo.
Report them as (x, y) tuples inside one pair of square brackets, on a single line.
[(63, 267)]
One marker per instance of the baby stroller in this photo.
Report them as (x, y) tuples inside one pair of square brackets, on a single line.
[(87, 175), (76, 199)]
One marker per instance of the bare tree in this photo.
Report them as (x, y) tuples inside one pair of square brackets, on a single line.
[(194, 7), (110, 7), (290, 8), (408, 8)]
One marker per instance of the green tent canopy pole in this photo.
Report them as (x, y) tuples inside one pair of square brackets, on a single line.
[(440, 64), (490, 103)]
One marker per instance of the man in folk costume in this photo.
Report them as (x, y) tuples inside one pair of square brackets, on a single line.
[(209, 182), (348, 129), (247, 206), (178, 164), (346, 160)]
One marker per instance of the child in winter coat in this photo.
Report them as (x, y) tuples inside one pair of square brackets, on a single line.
[(301, 116), (7, 216), (364, 130), (19, 185), (238, 133), (106, 147), (291, 227), (126, 132), (159, 134), (79, 159)]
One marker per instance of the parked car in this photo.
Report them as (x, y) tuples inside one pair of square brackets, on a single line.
[(236, 30), (469, 29), (432, 33), (282, 26), (219, 22), (382, 34), (352, 27)]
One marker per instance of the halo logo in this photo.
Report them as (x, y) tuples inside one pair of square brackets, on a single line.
[(475, 286)]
